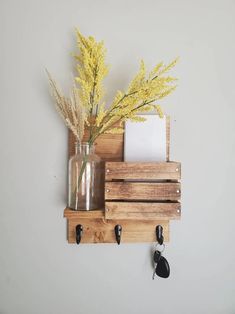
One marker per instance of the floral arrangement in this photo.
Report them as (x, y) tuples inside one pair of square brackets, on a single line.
[(85, 107)]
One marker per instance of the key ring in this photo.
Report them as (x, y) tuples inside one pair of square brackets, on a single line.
[(160, 247)]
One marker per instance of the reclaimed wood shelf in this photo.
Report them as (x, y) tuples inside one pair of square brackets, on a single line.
[(98, 229), (137, 196)]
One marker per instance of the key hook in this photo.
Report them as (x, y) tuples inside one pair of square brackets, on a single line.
[(79, 231), (118, 233), (159, 234)]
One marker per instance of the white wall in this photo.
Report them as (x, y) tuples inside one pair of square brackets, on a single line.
[(39, 272)]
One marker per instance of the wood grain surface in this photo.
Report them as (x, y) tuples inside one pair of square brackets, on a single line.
[(142, 171), (102, 231), (142, 210), (142, 191), (109, 147), (80, 214)]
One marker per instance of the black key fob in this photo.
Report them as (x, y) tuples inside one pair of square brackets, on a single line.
[(162, 268)]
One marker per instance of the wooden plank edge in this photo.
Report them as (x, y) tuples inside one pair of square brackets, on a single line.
[(143, 210), (146, 171), (83, 214), (168, 135)]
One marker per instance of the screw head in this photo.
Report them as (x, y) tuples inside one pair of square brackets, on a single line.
[(178, 210), (107, 190), (106, 209), (177, 191), (108, 170), (177, 169)]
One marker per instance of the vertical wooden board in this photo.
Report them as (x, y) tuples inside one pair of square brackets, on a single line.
[(109, 147)]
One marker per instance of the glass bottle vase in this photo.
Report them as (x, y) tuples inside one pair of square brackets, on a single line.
[(86, 186)]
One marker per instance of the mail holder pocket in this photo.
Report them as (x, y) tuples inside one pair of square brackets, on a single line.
[(142, 190)]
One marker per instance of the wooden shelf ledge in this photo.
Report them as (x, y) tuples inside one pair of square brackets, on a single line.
[(83, 214)]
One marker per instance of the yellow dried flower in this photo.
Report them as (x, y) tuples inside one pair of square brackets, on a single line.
[(85, 105), (159, 111), (115, 131), (137, 119)]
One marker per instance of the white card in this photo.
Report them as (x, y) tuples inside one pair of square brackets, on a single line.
[(145, 141)]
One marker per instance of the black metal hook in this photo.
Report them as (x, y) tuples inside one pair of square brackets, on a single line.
[(118, 233), (159, 234), (79, 231)]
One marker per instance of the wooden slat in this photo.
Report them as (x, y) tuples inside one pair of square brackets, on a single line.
[(142, 171), (142, 211), (102, 231), (142, 191)]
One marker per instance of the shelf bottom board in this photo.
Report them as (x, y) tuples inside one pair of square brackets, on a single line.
[(88, 214)]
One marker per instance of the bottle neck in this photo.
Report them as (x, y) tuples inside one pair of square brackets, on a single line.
[(84, 148)]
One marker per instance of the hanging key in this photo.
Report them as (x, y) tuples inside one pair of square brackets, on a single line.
[(157, 255), (162, 268)]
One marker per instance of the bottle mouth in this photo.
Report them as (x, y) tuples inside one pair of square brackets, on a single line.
[(84, 147), (84, 144)]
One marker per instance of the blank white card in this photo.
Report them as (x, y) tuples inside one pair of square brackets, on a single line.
[(145, 141)]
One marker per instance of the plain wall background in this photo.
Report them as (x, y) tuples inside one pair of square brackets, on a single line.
[(39, 272)]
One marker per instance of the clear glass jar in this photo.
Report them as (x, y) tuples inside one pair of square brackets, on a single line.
[(86, 186)]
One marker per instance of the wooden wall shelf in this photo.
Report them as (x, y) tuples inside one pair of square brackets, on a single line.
[(138, 196)]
